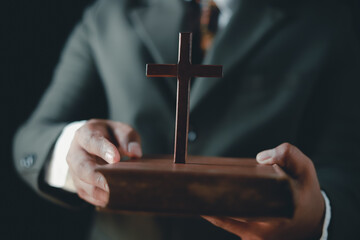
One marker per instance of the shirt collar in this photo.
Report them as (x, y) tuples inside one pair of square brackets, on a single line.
[(227, 8), (225, 5)]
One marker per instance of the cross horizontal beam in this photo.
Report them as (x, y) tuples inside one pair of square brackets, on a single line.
[(214, 71), (161, 70), (171, 70)]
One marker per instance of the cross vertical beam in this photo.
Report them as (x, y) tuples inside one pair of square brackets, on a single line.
[(184, 71), (183, 98)]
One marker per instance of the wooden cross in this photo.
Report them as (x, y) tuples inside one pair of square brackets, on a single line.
[(184, 71)]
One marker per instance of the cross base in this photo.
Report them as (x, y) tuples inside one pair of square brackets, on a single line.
[(204, 186)]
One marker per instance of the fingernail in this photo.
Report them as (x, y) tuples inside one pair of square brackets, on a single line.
[(266, 161), (109, 156), (102, 181), (135, 148), (263, 157)]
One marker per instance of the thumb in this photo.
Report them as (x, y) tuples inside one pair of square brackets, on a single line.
[(288, 157), (128, 139)]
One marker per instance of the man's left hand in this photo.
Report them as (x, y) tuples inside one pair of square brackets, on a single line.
[(309, 203)]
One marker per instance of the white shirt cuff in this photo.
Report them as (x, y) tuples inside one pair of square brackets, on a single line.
[(57, 174), (327, 219)]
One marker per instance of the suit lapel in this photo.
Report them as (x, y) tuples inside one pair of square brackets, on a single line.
[(158, 25), (247, 28)]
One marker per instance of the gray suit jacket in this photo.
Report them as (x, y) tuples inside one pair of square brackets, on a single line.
[(291, 74)]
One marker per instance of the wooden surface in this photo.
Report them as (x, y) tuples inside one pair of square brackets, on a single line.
[(202, 186), (184, 71)]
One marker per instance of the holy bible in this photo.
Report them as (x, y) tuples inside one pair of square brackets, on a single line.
[(203, 186)]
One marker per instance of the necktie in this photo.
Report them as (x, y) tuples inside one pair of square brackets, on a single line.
[(202, 20), (208, 23)]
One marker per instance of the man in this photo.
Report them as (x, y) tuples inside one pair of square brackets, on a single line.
[(291, 73)]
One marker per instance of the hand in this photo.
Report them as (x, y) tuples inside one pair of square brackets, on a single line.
[(99, 142), (309, 203)]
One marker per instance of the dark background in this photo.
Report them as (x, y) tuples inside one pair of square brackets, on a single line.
[(32, 34)]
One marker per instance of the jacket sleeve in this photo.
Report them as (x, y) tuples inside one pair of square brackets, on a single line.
[(75, 93), (332, 130)]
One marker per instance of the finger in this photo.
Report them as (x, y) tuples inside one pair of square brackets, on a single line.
[(239, 219), (129, 140), (95, 140), (83, 195), (236, 227), (91, 191), (288, 157), (82, 166)]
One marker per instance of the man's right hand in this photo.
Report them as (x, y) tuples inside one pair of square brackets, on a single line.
[(96, 143)]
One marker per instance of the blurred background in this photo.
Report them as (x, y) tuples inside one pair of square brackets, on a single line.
[(32, 34)]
